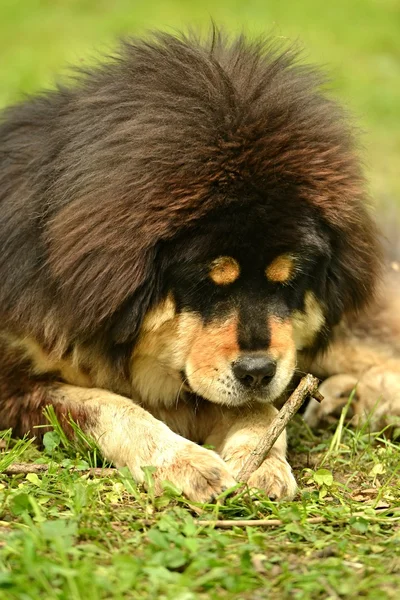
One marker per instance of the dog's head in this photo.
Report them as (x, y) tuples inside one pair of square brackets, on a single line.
[(245, 292)]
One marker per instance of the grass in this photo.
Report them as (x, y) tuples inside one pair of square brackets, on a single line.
[(66, 535)]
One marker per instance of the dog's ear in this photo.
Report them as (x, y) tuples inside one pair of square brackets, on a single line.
[(125, 324), (355, 266)]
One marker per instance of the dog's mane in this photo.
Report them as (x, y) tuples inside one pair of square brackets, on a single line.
[(96, 176)]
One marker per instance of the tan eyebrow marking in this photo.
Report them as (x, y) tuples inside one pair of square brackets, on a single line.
[(224, 270), (281, 269)]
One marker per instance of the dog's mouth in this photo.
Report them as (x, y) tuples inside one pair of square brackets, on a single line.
[(238, 387)]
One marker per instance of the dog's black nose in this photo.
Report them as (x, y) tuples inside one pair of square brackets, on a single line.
[(254, 371)]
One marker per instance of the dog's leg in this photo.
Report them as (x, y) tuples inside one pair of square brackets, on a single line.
[(236, 433), (129, 436)]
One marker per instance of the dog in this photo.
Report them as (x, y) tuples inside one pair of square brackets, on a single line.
[(181, 227)]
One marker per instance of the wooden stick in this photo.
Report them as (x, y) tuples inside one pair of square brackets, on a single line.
[(308, 386), (25, 468), (335, 520), (229, 523)]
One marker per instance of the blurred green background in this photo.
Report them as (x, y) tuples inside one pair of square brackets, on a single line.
[(358, 41)]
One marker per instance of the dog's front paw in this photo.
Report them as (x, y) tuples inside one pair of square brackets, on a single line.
[(200, 473), (275, 478)]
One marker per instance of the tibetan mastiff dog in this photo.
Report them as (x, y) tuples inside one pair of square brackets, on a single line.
[(182, 229)]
